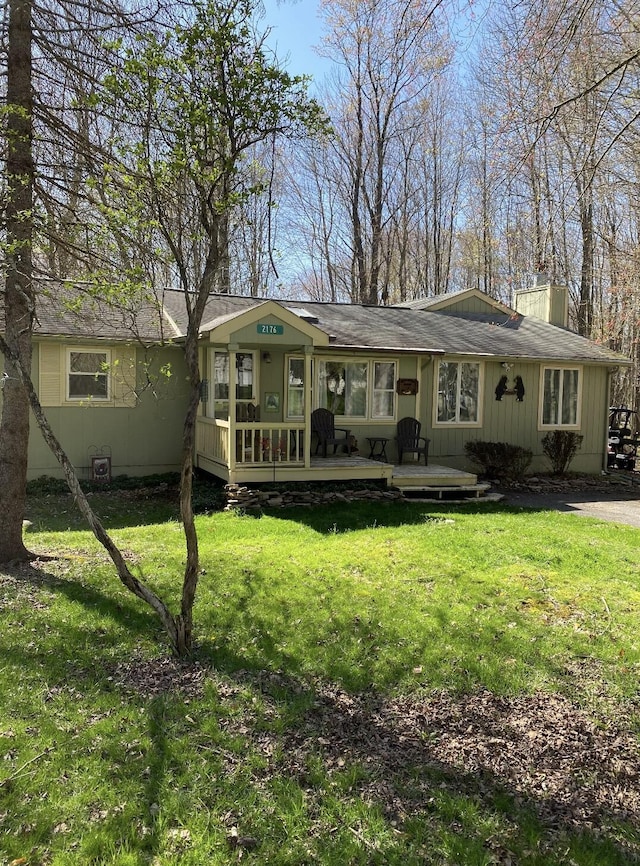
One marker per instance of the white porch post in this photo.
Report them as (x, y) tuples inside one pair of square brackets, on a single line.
[(308, 391), (233, 373)]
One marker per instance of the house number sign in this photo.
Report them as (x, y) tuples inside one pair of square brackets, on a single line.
[(270, 329)]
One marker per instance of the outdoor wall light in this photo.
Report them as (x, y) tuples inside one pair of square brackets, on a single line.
[(266, 357)]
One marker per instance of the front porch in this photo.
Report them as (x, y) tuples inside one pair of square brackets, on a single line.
[(277, 453)]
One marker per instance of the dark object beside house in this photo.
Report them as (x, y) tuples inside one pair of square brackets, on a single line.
[(501, 388), (323, 427), (623, 444), (409, 439)]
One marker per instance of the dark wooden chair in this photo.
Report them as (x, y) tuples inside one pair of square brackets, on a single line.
[(247, 412), (409, 439), (324, 428)]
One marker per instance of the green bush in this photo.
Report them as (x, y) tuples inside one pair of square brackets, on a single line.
[(560, 447), (499, 459)]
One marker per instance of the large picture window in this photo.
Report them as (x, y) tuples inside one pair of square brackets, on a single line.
[(458, 398), (357, 389), (88, 374), (343, 387), (560, 397)]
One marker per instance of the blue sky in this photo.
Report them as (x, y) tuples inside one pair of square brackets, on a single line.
[(296, 29)]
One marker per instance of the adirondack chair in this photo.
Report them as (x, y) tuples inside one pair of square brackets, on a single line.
[(409, 439), (323, 426)]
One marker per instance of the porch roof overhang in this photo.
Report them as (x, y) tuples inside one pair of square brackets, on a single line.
[(224, 329)]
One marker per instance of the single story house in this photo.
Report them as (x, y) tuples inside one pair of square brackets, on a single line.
[(113, 382)]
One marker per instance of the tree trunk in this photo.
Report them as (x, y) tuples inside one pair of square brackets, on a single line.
[(585, 303), (192, 566), (131, 582), (19, 295)]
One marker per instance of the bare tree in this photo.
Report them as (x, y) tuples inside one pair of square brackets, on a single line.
[(185, 104), (45, 148), (388, 52), (194, 101)]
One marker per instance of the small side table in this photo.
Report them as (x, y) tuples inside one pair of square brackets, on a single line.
[(378, 448)]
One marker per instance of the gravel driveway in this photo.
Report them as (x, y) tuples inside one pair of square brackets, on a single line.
[(619, 503)]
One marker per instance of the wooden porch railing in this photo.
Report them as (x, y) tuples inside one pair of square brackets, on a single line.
[(256, 443)]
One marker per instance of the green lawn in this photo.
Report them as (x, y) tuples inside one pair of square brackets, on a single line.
[(374, 684)]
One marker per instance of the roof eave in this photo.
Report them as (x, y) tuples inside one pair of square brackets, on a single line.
[(404, 350)]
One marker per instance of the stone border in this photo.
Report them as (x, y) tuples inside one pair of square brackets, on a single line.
[(610, 483), (241, 497)]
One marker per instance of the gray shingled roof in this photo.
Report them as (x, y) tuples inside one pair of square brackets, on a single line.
[(434, 300), (493, 334), (74, 312)]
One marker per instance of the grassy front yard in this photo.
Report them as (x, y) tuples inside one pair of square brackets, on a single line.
[(374, 684)]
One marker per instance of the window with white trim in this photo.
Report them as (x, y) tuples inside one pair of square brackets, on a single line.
[(352, 388), (295, 387), (88, 374), (221, 385), (384, 389), (560, 397), (245, 378), (244, 381), (458, 393)]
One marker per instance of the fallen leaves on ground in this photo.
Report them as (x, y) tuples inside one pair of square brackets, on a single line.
[(575, 771)]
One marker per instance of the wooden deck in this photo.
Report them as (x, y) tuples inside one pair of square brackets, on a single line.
[(441, 481), (433, 480), (264, 453), (410, 477)]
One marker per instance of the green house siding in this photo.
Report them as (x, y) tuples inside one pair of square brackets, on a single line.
[(594, 422), (508, 420), (141, 439), (143, 435), (471, 304)]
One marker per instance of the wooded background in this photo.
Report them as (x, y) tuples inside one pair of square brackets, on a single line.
[(449, 161)]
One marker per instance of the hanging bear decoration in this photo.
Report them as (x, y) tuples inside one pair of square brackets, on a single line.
[(502, 388)]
